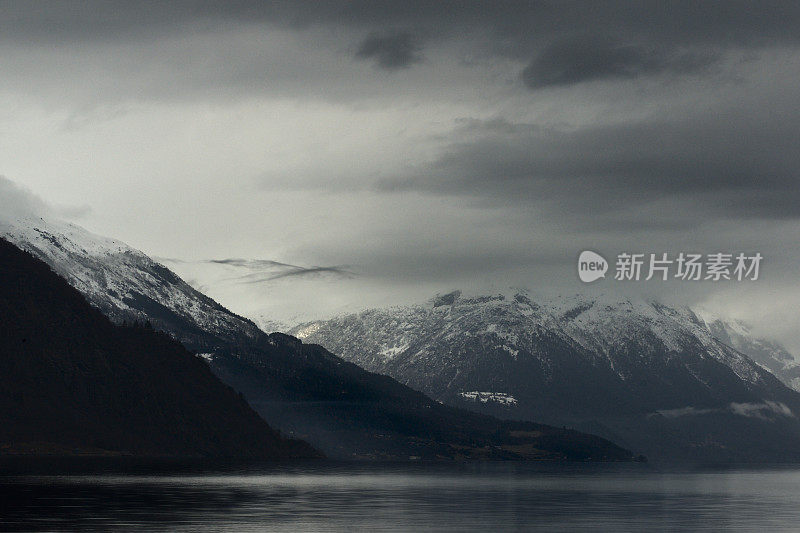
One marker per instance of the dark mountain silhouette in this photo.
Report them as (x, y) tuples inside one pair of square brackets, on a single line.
[(303, 390), (71, 382), (349, 412)]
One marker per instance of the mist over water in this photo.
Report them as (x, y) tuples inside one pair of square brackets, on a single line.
[(403, 497)]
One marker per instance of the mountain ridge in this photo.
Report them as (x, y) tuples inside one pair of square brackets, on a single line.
[(628, 369)]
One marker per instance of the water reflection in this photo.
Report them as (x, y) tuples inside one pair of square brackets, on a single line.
[(418, 497)]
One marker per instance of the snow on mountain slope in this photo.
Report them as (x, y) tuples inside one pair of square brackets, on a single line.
[(122, 281), (595, 326)]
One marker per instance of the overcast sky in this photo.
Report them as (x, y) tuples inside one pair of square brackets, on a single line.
[(298, 158)]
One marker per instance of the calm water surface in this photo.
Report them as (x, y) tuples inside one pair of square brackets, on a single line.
[(405, 497)]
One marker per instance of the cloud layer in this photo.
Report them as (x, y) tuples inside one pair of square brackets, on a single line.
[(587, 58), (766, 410)]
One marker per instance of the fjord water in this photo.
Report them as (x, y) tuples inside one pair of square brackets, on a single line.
[(402, 497)]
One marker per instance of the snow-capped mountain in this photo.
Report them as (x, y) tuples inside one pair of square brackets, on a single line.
[(517, 328), (629, 369), (124, 283)]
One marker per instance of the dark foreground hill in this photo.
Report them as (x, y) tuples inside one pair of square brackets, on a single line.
[(71, 382)]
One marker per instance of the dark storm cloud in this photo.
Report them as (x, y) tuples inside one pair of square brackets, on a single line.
[(391, 51), (526, 23), (183, 50), (516, 25), (586, 58), (728, 162)]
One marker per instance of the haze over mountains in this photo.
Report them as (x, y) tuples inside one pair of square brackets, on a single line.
[(303, 390), (656, 378)]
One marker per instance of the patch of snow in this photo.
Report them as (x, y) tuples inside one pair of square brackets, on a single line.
[(391, 351), (306, 330), (486, 397)]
